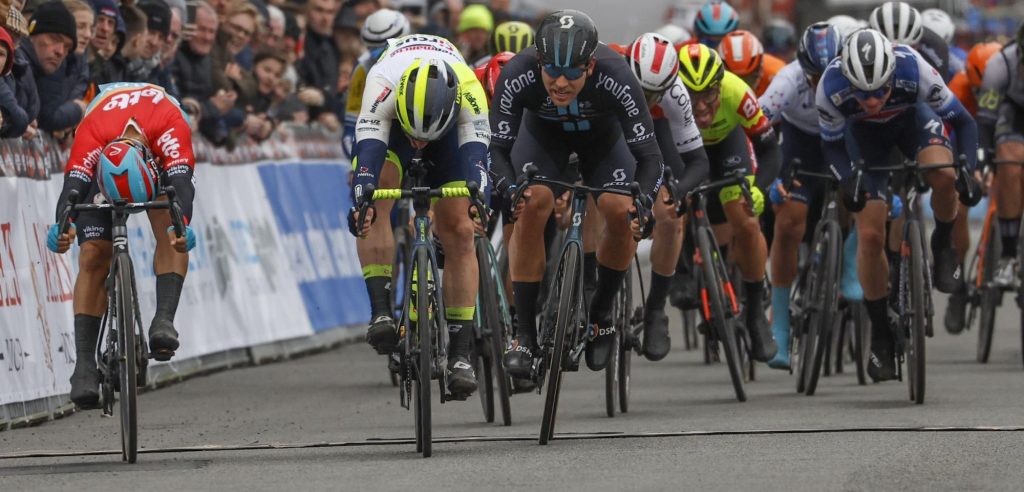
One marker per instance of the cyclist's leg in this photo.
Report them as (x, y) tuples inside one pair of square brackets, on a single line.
[(1009, 147), (935, 148), (610, 165), (90, 300), (539, 144), (731, 154), (170, 268), (874, 143)]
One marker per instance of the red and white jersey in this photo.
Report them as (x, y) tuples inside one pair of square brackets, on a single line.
[(158, 115)]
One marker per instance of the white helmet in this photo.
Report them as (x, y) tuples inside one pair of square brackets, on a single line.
[(674, 34), (654, 61), (383, 25), (939, 22), (844, 24), (900, 22), (868, 60)]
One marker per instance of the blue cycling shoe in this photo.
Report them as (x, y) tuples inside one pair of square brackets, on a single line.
[(780, 327), (849, 284)]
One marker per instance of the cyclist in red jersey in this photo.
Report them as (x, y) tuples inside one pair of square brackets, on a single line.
[(129, 134)]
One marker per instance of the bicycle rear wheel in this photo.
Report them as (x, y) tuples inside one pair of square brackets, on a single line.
[(824, 289), (715, 278), (990, 296), (424, 357), (127, 357), (918, 322), (611, 373), (568, 291), (857, 322), (498, 326), (632, 315)]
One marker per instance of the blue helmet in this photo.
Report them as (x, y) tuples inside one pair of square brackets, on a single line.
[(819, 45), (127, 172), (715, 19)]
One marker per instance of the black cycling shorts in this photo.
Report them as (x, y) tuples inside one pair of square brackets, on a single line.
[(604, 158), (1009, 123), (796, 144)]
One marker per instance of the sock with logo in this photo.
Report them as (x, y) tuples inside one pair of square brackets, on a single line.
[(378, 286), (1009, 231), (460, 330)]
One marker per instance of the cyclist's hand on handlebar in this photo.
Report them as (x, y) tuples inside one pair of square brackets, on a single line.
[(643, 218), (363, 229), (520, 205), (561, 207), (778, 192), (57, 242), (757, 208), (854, 197), (182, 244)]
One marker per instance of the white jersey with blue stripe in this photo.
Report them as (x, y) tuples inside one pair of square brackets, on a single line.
[(914, 81)]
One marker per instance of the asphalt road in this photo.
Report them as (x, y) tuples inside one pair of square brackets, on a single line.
[(330, 408)]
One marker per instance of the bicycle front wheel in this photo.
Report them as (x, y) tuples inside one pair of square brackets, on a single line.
[(568, 291), (127, 353), (919, 313), (715, 277), (824, 289), (991, 295), (425, 363)]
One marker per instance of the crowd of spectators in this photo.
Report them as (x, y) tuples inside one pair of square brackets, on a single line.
[(239, 67)]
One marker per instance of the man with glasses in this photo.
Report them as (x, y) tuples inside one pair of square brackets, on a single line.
[(737, 137), (567, 94), (873, 98)]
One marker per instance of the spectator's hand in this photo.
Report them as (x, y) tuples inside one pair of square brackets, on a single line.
[(311, 97), (233, 71), (224, 100), (329, 120), (31, 131)]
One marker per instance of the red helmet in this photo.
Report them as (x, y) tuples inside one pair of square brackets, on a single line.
[(742, 52), (654, 61), (493, 70), (977, 58)]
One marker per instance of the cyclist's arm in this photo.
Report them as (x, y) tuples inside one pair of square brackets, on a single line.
[(832, 123), (938, 96), (81, 166), (762, 136), (993, 87), (509, 100), (474, 130), (353, 106), (372, 133), (688, 143), (638, 128), (173, 149)]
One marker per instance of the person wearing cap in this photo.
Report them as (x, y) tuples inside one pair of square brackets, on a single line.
[(136, 50), (13, 119), (52, 36), (158, 28), (193, 70), (475, 25), (64, 89), (161, 75), (104, 35)]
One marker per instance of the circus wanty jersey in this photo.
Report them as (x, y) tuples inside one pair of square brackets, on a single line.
[(157, 114), (379, 101), (738, 106), (789, 97), (914, 81)]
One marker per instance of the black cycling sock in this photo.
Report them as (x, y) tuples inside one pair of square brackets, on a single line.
[(659, 291), (608, 283), (941, 235), (878, 311), (460, 337), (168, 293), (379, 289), (526, 294), (590, 268), (754, 294), (1009, 231), (87, 333)]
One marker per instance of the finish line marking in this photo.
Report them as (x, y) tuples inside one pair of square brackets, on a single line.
[(569, 436)]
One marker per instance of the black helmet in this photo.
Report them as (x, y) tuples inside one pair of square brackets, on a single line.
[(566, 38)]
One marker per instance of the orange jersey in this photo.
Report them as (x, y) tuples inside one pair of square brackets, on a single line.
[(961, 88), (770, 65)]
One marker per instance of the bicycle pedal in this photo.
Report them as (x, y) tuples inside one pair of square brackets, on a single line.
[(449, 396), (161, 355)]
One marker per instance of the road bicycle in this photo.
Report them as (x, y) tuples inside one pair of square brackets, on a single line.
[(422, 353), (628, 317), (124, 355), (494, 331), (563, 337)]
